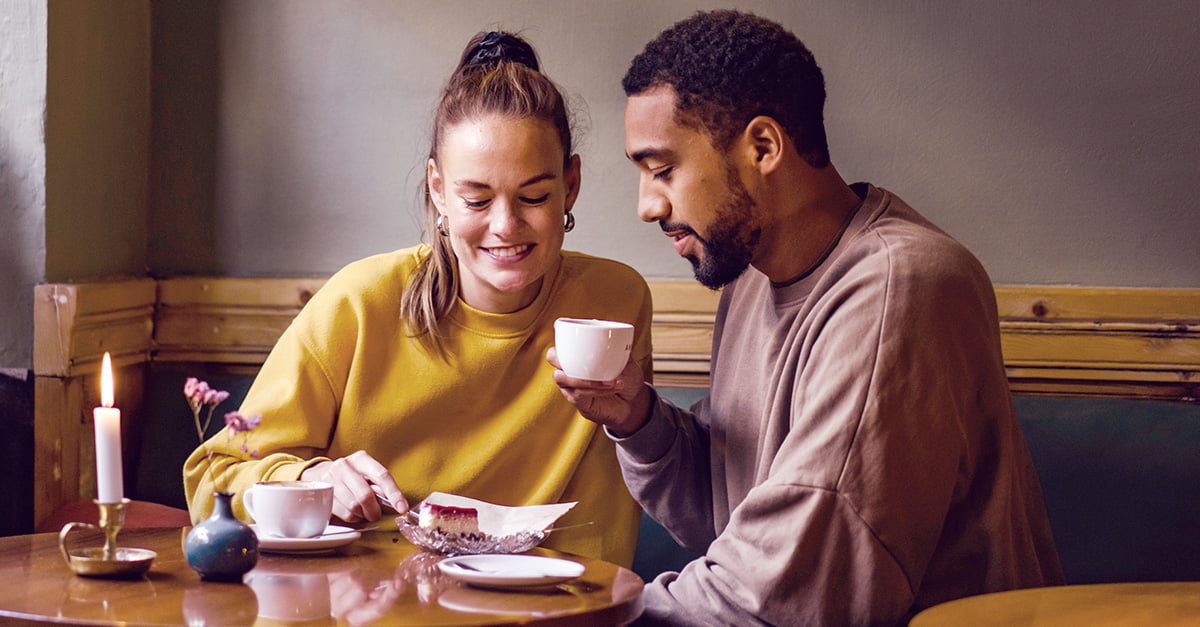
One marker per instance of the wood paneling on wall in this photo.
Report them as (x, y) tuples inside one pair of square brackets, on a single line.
[(74, 325), (1124, 342)]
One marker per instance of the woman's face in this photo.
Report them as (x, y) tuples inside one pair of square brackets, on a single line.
[(501, 188)]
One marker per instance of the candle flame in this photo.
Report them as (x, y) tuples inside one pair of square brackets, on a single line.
[(106, 382)]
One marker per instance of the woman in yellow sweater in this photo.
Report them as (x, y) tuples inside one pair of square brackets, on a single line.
[(423, 369)]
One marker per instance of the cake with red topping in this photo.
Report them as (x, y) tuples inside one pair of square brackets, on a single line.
[(449, 519)]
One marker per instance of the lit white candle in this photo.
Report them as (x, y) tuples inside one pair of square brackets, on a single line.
[(109, 480)]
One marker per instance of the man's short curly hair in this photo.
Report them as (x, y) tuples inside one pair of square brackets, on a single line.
[(727, 67)]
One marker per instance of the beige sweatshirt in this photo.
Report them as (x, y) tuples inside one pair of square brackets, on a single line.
[(858, 458)]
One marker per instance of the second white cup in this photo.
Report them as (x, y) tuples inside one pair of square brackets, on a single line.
[(592, 349), (290, 509)]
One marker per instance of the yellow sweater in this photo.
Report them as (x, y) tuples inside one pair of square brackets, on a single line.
[(490, 424)]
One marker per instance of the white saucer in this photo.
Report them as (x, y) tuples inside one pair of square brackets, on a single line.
[(510, 571), (333, 537)]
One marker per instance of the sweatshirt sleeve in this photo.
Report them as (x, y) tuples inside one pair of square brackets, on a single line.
[(795, 549), (666, 467), (790, 555), (298, 403)]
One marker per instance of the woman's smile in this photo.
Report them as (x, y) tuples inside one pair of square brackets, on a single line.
[(509, 254)]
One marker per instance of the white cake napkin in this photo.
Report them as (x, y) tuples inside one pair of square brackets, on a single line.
[(502, 520)]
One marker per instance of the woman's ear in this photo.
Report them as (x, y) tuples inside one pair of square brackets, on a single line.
[(435, 185), (573, 177), (764, 141)]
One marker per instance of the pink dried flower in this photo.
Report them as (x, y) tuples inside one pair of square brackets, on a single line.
[(189, 387), (200, 396), (195, 390), (213, 397), (239, 423)]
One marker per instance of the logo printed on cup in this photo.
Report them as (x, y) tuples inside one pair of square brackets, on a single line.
[(290, 509), (592, 349)]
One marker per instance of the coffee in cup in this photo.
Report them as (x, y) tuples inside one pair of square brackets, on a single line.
[(592, 349), (290, 509)]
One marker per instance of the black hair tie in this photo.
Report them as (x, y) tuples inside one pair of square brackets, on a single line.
[(496, 47)]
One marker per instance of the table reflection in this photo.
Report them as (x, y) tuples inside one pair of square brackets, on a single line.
[(291, 596), (218, 604), (381, 579), (91, 599), (356, 593)]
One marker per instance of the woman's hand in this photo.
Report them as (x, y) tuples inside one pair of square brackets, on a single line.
[(357, 479), (622, 405), (361, 597)]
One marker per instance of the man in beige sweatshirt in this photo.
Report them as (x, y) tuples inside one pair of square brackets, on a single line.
[(858, 458)]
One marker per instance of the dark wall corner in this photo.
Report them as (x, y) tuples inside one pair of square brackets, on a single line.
[(16, 452)]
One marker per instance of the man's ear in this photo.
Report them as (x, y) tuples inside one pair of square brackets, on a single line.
[(433, 180), (764, 141)]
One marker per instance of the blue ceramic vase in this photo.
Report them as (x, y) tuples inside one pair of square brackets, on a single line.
[(221, 548)]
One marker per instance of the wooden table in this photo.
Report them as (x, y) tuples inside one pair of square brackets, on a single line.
[(381, 579), (1140, 604)]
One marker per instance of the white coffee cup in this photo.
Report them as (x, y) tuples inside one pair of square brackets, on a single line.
[(290, 509), (592, 349)]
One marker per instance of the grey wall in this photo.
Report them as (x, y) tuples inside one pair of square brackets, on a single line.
[(1057, 140), (22, 174), (22, 247), (74, 151)]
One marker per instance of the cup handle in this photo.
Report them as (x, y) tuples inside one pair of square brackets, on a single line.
[(248, 502)]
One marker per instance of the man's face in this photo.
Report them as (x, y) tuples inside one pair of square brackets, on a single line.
[(691, 189)]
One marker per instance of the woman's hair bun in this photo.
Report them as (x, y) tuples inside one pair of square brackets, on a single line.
[(496, 47)]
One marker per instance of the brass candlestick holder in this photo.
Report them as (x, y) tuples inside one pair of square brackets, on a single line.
[(109, 560)]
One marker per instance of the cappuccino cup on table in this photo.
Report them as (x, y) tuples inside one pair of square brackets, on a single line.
[(592, 349), (290, 509)]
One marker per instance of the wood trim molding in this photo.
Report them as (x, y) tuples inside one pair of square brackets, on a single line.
[(1122, 342), (682, 332), (229, 321), (1140, 342), (1129, 342), (76, 323), (1072, 341)]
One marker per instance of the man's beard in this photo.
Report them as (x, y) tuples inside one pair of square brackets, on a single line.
[(731, 240)]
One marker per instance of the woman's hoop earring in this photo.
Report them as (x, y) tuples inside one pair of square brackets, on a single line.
[(569, 225), (440, 225)]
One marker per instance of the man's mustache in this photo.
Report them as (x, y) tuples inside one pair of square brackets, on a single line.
[(668, 227)]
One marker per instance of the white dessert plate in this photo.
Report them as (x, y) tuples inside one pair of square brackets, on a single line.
[(333, 537), (510, 571)]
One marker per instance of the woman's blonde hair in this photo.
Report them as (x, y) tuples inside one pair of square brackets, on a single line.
[(498, 74)]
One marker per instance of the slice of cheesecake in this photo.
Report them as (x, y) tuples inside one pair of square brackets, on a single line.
[(448, 519)]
